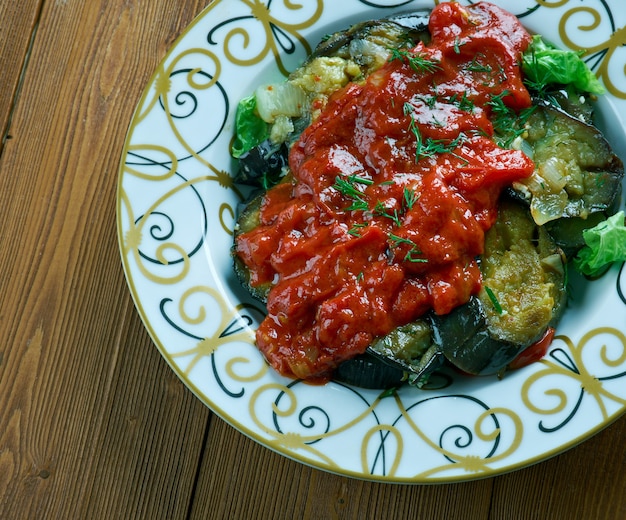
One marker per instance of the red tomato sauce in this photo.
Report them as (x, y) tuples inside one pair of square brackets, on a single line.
[(393, 188)]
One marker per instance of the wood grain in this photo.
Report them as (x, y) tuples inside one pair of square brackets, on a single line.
[(279, 488), (78, 427), (93, 423), (18, 27)]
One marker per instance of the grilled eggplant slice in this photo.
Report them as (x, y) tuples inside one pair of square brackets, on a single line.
[(409, 348), (523, 294), (368, 43), (578, 177), (406, 354), (263, 165)]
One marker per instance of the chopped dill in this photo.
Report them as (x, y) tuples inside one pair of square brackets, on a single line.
[(418, 62), (413, 253), (381, 211), (429, 147), (465, 103), (476, 66), (507, 124), (346, 185), (354, 230), (410, 198), (429, 101), (457, 45)]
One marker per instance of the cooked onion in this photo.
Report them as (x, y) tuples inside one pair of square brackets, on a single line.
[(280, 99)]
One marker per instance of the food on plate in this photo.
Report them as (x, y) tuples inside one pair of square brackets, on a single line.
[(523, 295), (423, 182)]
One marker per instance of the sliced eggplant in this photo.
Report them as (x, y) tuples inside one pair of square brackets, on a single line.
[(523, 294), (263, 165), (575, 103), (568, 232), (577, 173), (464, 338), (409, 348), (398, 30), (406, 354)]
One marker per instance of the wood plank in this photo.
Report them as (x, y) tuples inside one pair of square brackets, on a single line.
[(553, 489), (268, 485), (19, 21), (93, 421)]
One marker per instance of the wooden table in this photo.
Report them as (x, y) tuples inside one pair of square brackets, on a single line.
[(93, 423)]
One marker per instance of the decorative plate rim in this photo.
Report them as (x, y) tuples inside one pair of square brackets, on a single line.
[(164, 255)]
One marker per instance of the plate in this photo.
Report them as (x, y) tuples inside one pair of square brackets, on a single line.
[(176, 208)]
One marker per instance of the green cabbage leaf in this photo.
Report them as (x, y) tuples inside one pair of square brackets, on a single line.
[(250, 129), (605, 244), (544, 64)]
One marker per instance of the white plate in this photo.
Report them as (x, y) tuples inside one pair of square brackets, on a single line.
[(176, 207)]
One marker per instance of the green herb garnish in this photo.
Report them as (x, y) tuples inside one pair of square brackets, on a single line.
[(494, 300), (382, 211), (418, 62), (465, 103), (354, 230), (429, 147), (507, 124), (346, 185), (476, 66), (413, 253), (409, 198)]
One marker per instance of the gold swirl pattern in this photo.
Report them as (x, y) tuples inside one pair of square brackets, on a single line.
[(369, 438), (473, 462), (279, 35), (162, 90), (385, 445), (176, 212), (291, 440), (574, 368), (168, 252), (223, 331), (552, 3)]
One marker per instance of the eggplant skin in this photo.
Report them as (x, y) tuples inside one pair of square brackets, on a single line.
[(264, 165), (408, 348), (392, 360), (464, 338), (523, 294), (367, 371)]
